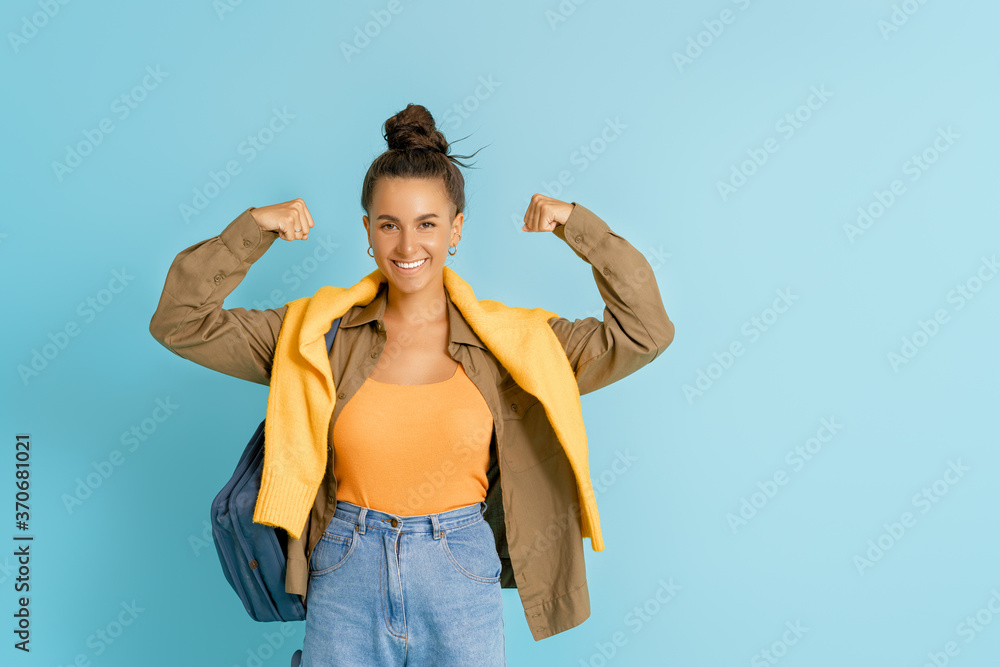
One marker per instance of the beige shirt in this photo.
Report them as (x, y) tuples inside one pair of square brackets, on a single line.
[(534, 513)]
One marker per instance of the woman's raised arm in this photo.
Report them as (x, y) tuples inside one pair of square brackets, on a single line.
[(190, 320), (635, 329)]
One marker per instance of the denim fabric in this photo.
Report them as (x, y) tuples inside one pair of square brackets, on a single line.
[(411, 591)]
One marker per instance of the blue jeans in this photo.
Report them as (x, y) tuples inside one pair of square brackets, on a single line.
[(410, 591)]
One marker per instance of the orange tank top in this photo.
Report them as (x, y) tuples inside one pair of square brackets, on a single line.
[(411, 449)]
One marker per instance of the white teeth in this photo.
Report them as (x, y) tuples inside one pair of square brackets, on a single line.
[(410, 265)]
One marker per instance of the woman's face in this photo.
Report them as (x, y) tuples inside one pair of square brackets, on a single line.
[(411, 221)]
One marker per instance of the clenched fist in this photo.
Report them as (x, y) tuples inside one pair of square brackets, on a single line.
[(290, 219), (545, 213)]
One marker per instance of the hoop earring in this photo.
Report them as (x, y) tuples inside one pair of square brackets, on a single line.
[(372, 253), (450, 248)]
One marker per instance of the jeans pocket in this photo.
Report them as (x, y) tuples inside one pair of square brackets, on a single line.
[(334, 548), (471, 549)]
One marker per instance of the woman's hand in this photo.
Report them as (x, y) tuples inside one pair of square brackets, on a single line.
[(290, 219), (544, 213)]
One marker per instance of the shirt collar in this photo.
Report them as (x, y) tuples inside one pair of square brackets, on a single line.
[(459, 329)]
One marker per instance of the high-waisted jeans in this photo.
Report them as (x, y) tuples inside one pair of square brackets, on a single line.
[(411, 591)]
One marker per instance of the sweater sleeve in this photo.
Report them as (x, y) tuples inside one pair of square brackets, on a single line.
[(635, 329), (190, 320)]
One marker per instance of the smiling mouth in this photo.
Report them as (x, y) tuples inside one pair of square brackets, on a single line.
[(410, 265)]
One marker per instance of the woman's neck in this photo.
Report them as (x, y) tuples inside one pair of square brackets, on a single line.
[(426, 306)]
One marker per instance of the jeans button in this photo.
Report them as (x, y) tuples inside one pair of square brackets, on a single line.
[(394, 523)]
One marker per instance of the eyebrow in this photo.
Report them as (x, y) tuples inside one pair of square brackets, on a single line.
[(386, 216)]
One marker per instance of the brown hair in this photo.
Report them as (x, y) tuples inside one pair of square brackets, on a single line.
[(417, 149)]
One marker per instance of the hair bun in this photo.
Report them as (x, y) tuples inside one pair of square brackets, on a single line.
[(414, 147), (413, 128)]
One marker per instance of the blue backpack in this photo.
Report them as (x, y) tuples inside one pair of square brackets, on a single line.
[(253, 555)]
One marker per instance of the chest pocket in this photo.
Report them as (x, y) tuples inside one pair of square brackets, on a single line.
[(515, 402), (530, 439)]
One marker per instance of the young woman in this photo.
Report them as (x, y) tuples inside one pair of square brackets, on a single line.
[(411, 536)]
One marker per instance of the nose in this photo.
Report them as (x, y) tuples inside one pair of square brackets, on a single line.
[(406, 244)]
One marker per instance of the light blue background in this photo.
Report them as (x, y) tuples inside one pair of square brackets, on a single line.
[(718, 262)]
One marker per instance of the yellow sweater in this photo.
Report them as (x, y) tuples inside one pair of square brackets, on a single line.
[(302, 394)]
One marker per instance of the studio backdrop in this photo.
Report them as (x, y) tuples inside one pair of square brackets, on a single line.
[(806, 476)]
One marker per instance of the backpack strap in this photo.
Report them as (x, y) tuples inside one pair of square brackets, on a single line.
[(331, 334)]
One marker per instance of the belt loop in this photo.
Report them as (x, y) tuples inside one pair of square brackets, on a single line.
[(361, 520), (437, 526)]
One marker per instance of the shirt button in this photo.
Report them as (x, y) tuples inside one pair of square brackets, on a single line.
[(246, 243), (513, 407), (578, 239), (218, 278), (374, 354), (341, 395), (607, 272)]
